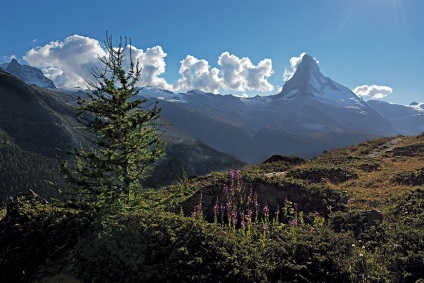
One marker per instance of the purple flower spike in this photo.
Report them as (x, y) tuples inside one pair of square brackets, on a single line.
[(266, 209), (293, 222), (232, 174), (234, 216), (226, 189), (216, 206)]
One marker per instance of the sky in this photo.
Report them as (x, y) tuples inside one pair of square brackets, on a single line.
[(242, 47)]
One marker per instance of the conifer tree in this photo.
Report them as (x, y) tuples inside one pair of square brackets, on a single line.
[(125, 133)]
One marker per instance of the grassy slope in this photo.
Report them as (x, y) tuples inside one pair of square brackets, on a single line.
[(156, 245), (372, 163)]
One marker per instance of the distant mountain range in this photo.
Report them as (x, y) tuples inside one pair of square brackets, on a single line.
[(312, 113), (407, 119)]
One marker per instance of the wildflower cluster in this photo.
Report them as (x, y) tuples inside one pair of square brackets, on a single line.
[(238, 209)]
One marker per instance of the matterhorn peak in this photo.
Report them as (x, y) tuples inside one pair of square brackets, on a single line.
[(307, 64), (309, 84), (306, 79)]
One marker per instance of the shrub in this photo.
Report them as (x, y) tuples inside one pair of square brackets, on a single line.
[(34, 231), (412, 178), (404, 250), (409, 150), (165, 247)]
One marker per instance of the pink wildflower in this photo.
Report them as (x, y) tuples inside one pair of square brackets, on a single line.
[(293, 222), (265, 210), (216, 207), (234, 216)]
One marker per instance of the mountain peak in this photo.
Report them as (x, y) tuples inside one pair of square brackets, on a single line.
[(307, 64), (29, 74), (309, 85), (307, 78), (13, 65)]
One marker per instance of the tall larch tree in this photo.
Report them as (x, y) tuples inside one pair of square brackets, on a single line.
[(124, 130)]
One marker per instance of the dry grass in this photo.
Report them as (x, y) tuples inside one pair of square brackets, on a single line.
[(375, 189), (2, 213)]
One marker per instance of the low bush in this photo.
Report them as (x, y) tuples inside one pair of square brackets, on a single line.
[(35, 231), (416, 150), (410, 178)]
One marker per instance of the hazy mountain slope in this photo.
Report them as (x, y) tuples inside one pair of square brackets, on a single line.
[(407, 119), (37, 119), (22, 171), (37, 124)]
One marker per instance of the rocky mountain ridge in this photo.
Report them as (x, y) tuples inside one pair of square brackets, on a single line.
[(28, 74)]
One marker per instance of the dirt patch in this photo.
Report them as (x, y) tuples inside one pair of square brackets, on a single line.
[(388, 146)]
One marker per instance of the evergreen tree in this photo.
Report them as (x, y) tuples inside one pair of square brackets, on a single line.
[(126, 135)]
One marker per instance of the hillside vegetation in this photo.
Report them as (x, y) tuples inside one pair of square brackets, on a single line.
[(349, 215)]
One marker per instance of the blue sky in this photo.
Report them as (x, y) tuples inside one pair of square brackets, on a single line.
[(357, 42)]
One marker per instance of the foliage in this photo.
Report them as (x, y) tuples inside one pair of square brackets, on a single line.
[(22, 171), (416, 149), (240, 211), (126, 136), (157, 246), (165, 247), (34, 231), (404, 250), (412, 178)]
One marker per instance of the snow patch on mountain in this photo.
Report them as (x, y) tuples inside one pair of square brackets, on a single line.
[(160, 94), (28, 74)]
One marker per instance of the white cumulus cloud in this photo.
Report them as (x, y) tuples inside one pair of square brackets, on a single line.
[(70, 62), (241, 75), (234, 73), (373, 91), (294, 62), (197, 74), (152, 64)]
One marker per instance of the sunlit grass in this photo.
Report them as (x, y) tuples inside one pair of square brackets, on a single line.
[(2, 213)]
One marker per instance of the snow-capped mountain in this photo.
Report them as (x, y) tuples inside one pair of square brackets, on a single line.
[(309, 81), (28, 74), (311, 114), (310, 98), (161, 94)]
